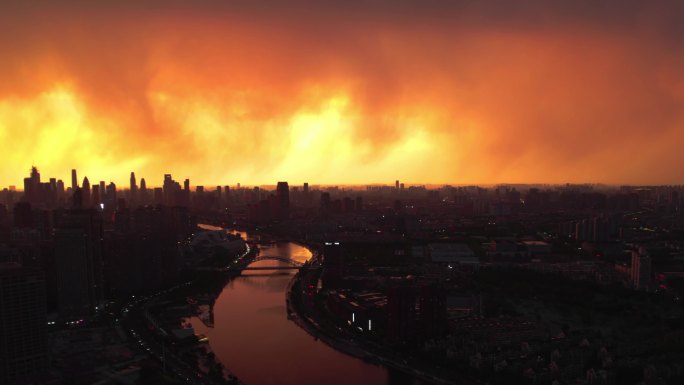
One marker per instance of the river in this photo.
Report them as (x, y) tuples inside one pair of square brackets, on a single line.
[(254, 339)]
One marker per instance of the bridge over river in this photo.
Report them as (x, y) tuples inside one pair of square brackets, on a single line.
[(290, 264)]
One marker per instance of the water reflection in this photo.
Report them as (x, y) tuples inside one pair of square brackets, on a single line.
[(254, 339)]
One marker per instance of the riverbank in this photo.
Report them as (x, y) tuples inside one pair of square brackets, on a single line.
[(311, 325)]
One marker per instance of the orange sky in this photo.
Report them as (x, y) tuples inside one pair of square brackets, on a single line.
[(427, 92)]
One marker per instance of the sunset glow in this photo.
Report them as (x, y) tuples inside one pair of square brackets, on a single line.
[(254, 94)]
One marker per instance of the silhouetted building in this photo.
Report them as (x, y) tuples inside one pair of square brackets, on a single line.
[(96, 195), (23, 325), (401, 313), (283, 196), (641, 269), (74, 180), (32, 186), (143, 192), (85, 193), (158, 196), (110, 196), (326, 205), (60, 190), (133, 189), (78, 244)]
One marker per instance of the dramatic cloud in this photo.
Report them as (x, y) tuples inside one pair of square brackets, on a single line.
[(332, 92)]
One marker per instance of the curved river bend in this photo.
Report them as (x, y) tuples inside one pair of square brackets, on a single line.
[(254, 339)]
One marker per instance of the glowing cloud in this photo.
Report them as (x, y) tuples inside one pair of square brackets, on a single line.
[(449, 92)]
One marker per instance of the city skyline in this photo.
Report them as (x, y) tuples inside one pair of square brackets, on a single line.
[(454, 92), (151, 184)]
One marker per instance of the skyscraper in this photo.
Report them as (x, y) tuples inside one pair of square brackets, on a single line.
[(641, 269), (283, 196), (78, 262), (23, 320), (134, 188), (144, 198), (110, 195), (85, 193), (96, 195), (32, 186), (74, 180), (74, 263)]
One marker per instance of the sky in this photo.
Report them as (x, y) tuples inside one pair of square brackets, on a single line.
[(344, 92)]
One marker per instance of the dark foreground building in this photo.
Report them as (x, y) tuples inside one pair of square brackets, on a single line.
[(23, 325)]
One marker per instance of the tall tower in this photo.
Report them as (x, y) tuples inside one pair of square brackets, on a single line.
[(283, 196), (641, 269), (85, 193), (143, 191), (96, 195), (74, 179), (35, 175), (134, 188)]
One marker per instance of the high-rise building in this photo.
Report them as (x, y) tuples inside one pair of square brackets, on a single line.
[(110, 195), (641, 269), (23, 325), (283, 196), (35, 175), (96, 199), (171, 190), (326, 205), (85, 193), (75, 276), (60, 189), (401, 313), (78, 244), (74, 180), (77, 199), (143, 192), (133, 188), (186, 185), (32, 186)]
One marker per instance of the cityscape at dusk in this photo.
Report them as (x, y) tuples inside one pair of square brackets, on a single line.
[(334, 192)]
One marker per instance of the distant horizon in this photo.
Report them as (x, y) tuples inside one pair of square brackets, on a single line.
[(123, 186)]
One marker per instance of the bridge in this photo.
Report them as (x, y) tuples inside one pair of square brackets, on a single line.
[(245, 265), (291, 264)]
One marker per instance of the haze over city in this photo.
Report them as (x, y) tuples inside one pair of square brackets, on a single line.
[(338, 93)]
